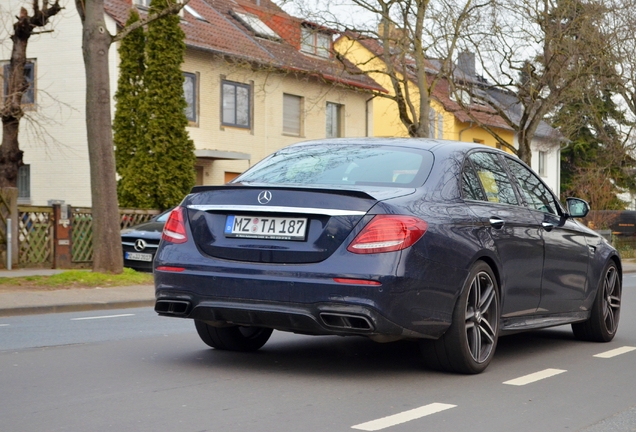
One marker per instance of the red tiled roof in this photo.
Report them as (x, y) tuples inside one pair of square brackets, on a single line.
[(484, 114), (222, 34)]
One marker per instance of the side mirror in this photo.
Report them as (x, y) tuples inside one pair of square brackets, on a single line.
[(577, 208)]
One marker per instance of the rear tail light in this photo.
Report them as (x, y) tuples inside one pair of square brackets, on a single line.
[(388, 233), (175, 231)]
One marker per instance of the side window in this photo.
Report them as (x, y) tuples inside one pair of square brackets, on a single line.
[(471, 186), (493, 178), (535, 193)]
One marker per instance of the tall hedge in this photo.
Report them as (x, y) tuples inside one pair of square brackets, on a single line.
[(128, 123), (162, 170)]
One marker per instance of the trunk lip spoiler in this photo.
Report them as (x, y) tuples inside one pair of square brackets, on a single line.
[(275, 209)]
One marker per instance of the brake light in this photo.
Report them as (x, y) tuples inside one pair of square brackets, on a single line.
[(388, 233), (174, 231)]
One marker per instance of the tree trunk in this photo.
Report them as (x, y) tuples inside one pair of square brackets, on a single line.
[(524, 152), (17, 85), (96, 40), (12, 113)]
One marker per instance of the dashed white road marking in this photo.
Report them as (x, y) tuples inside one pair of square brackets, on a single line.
[(615, 352), (533, 377), (101, 317), (403, 417), (4, 325)]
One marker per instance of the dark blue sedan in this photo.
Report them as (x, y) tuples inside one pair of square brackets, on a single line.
[(447, 243)]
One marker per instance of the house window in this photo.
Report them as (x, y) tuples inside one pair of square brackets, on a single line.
[(28, 98), (190, 94), (292, 118), (24, 182), (236, 104), (315, 42), (334, 120), (542, 163), (142, 3)]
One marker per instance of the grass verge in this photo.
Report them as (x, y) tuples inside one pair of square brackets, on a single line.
[(77, 279)]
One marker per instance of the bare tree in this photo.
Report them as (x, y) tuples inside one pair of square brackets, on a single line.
[(621, 17), (533, 53), (415, 40), (96, 41), (12, 109)]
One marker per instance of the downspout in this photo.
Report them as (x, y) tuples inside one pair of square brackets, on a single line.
[(366, 116)]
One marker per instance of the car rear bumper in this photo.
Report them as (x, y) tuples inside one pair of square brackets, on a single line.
[(398, 308)]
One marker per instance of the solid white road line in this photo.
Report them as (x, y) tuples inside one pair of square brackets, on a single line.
[(403, 417), (101, 317), (615, 352), (533, 377)]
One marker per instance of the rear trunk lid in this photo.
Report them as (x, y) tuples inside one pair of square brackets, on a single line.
[(276, 225)]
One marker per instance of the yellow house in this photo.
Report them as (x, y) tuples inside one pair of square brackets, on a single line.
[(447, 119)]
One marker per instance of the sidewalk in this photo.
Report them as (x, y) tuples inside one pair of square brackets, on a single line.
[(29, 302), (85, 299)]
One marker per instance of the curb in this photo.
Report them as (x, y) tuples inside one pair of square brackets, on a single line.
[(77, 307)]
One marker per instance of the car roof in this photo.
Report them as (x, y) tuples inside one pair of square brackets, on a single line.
[(436, 146)]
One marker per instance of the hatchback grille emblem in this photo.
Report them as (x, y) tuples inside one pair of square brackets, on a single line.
[(140, 245), (264, 197)]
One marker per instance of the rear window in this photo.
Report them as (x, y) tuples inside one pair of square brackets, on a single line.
[(343, 165)]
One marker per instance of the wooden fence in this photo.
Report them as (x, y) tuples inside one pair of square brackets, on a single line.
[(36, 224)]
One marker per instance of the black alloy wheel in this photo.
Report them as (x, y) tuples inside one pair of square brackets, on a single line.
[(603, 322), (469, 344)]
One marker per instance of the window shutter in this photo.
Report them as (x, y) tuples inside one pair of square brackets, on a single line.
[(291, 114)]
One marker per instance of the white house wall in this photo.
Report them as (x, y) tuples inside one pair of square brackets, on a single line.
[(552, 175), (553, 164), (53, 136)]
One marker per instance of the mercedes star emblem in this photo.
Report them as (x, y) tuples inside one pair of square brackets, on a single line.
[(140, 245), (264, 197)]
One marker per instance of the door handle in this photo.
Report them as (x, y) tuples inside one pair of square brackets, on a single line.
[(547, 226), (496, 222)]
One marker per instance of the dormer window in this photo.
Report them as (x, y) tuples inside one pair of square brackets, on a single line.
[(255, 24), (315, 42)]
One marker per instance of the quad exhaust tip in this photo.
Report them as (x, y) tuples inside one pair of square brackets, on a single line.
[(172, 307), (346, 321)]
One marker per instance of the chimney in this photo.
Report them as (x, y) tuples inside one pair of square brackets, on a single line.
[(466, 63)]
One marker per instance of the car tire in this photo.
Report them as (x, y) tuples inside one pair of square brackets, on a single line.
[(234, 338), (469, 343), (602, 324)]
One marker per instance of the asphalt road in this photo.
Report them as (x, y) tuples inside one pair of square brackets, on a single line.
[(131, 370)]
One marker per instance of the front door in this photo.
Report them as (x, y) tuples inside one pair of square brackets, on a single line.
[(565, 265)]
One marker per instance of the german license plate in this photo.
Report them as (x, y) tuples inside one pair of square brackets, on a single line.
[(271, 228), (136, 256)]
